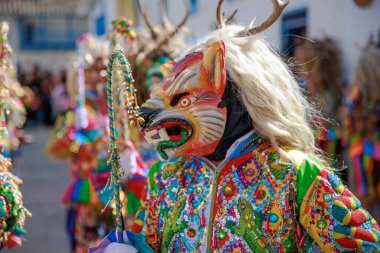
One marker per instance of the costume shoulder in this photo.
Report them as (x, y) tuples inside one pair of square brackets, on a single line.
[(329, 212), (307, 169)]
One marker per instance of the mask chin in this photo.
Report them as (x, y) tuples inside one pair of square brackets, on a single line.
[(181, 145), (194, 148)]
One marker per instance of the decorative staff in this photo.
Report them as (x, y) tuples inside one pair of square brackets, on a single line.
[(123, 37), (128, 91)]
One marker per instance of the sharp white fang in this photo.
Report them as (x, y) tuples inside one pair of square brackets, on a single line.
[(170, 152), (156, 141), (163, 134)]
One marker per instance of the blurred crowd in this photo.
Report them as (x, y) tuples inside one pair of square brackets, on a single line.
[(47, 92), (349, 132)]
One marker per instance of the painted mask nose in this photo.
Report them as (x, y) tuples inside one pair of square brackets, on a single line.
[(148, 115)]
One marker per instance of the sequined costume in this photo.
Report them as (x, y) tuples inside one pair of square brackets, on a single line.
[(254, 201)]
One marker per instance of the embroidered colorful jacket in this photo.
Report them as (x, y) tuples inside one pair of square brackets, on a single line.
[(254, 201)]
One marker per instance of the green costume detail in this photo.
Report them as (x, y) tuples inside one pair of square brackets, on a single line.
[(278, 174), (171, 144), (249, 228), (171, 226)]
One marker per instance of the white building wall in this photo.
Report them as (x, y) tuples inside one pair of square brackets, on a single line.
[(348, 24), (342, 20), (54, 60)]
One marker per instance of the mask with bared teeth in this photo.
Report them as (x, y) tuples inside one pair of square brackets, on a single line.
[(183, 116)]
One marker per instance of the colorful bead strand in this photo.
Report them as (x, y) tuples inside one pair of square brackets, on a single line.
[(128, 91)]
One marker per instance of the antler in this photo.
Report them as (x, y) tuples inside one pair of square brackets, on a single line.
[(182, 23), (278, 7), (146, 51), (231, 17), (176, 29), (165, 20), (220, 17), (144, 14)]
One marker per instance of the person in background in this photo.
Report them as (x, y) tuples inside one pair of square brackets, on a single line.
[(59, 96), (362, 128), (320, 63), (45, 94), (32, 81)]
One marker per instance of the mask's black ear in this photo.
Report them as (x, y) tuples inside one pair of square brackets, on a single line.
[(238, 120), (213, 67), (230, 95)]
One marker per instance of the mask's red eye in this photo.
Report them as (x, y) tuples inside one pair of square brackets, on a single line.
[(186, 101)]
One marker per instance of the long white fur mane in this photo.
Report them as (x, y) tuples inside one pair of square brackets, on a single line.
[(269, 91)]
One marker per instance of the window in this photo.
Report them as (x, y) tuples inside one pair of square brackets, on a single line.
[(193, 6), (294, 25), (100, 25), (50, 32)]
